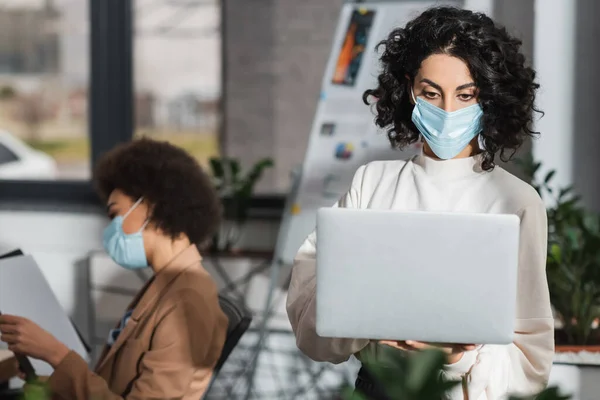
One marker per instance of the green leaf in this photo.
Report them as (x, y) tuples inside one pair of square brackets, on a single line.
[(216, 166), (246, 189), (257, 170), (416, 376), (563, 192), (424, 369), (348, 393), (555, 252), (549, 176), (234, 170), (36, 390)]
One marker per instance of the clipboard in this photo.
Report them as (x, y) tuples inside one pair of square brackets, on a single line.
[(12, 253), (23, 366), (19, 252)]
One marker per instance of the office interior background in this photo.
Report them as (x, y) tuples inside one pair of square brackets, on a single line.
[(221, 78)]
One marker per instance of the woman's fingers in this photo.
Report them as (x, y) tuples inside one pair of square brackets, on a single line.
[(460, 348), (16, 348), (6, 319), (9, 328), (419, 345), (9, 338), (454, 347), (411, 345), (398, 344)]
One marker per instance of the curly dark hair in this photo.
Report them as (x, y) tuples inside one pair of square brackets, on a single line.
[(182, 197), (506, 86)]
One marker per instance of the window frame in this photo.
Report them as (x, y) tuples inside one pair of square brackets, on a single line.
[(111, 113)]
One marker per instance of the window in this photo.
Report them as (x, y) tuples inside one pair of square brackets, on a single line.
[(74, 61), (44, 85), (177, 73)]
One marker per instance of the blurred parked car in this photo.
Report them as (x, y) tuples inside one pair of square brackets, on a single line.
[(20, 161)]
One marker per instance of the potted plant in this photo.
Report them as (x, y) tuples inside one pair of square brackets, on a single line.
[(38, 390), (235, 189), (416, 376), (573, 265)]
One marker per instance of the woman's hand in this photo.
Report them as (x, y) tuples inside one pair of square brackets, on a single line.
[(27, 338), (454, 351)]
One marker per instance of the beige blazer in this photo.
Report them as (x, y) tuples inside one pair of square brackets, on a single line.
[(8, 366), (168, 348)]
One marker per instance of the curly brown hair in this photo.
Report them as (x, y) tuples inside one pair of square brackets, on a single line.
[(506, 85), (182, 196)]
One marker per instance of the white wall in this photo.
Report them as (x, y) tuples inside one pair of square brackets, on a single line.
[(567, 59), (554, 62)]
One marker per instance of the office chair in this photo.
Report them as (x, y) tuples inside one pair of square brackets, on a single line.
[(239, 321)]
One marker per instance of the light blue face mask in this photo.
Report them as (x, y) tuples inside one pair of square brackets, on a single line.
[(127, 250), (446, 133)]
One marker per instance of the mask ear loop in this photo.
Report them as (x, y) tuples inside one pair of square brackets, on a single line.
[(145, 224), (412, 94), (133, 207)]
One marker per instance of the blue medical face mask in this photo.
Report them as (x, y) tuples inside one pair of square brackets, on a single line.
[(446, 133), (127, 250)]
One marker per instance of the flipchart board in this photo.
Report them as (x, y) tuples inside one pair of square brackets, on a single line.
[(25, 292), (344, 135)]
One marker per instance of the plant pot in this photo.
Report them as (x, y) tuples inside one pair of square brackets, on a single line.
[(577, 355), (574, 354), (577, 349)]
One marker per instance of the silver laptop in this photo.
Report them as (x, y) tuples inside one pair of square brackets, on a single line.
[(424, 276)]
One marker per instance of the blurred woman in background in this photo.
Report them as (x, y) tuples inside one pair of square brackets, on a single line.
[(161, 205)]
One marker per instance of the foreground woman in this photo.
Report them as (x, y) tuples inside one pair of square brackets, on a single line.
[(457, 81)]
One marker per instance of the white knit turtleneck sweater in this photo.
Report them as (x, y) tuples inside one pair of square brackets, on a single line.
[(453, 185)]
